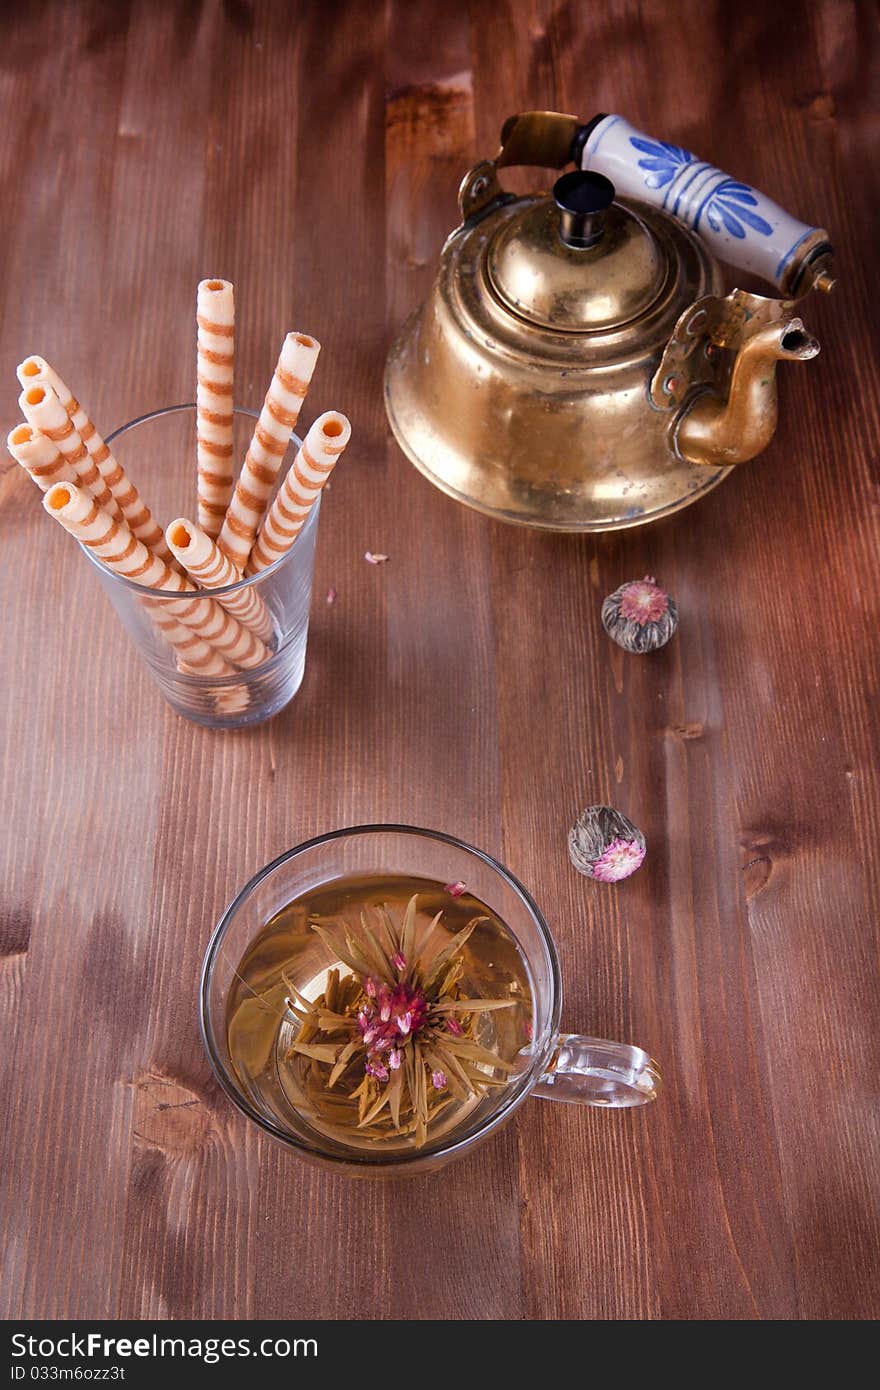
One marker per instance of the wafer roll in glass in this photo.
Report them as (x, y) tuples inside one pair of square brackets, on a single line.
[(112, 542), (271, 437), (312, 466), (37, 453), (43, 410), (196, 655), (215, 316), (205, 562), (36, 371)]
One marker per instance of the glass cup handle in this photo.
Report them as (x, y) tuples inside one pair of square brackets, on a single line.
[(591, 1071)]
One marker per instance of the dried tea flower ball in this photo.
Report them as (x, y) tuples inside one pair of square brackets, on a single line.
[(603, 844), (640, 616)]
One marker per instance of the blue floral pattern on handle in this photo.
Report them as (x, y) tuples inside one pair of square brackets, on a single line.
[(663, 162), (730, 204)]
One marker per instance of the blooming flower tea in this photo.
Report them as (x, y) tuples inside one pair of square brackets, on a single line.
[(381, 1011)]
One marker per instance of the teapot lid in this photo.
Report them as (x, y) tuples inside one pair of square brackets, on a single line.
[(577, 262)]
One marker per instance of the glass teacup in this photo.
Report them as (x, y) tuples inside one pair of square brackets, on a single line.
[(554, 1065)]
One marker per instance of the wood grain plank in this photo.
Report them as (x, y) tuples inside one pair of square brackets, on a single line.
[(80, 793), (448, 779)]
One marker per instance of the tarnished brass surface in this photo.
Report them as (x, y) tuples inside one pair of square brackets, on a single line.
[(722, 429), (537, 137), (542, 138), (707, 336), (586, 389), (559, 287), (477, 192), (544, 427)]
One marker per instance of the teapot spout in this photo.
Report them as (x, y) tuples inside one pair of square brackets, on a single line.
[(722, 432)]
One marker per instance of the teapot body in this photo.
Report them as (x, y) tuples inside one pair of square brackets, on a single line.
[(577, 365), (551, 427)]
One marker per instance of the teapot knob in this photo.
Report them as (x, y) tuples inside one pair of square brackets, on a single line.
[(582, 199)]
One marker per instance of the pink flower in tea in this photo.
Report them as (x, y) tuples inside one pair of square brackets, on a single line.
[(386, 1021), (643, 601), (619, 860), (456, 889), (392, 1020)]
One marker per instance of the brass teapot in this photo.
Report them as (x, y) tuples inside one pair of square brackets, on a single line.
[(577, 365)]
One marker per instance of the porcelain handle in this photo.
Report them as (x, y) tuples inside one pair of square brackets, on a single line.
[(590, 1071), (738, 224)]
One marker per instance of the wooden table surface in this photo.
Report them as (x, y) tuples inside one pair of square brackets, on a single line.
[(311, 152)]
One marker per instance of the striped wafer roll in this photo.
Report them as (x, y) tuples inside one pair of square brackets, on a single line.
[(234, 641), (267, 448), (205, 562), (199, 656), (43, 410), (312, 466), (37, 453), (235, 700), (123, 553), (196, 656), (215, 315), (35, 371)]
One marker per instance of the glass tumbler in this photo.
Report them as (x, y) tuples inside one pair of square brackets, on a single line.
[(555, 1065), (158, 451)]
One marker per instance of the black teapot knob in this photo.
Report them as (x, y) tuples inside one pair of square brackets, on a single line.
[(582, 199)]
